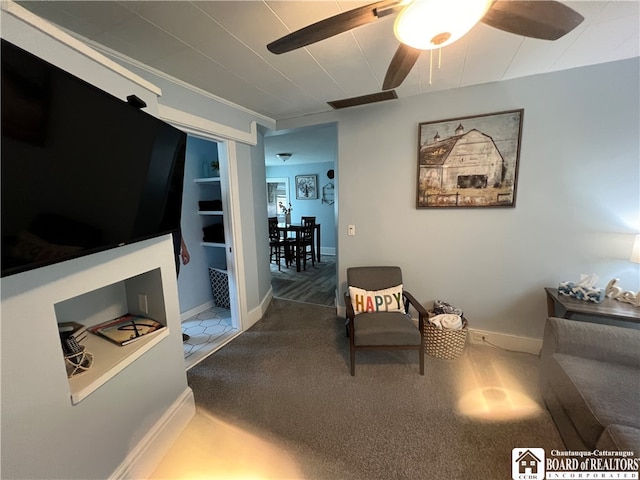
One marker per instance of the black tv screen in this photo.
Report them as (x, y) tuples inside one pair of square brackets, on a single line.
[(81, 170)]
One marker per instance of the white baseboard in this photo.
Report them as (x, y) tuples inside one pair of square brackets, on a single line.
[(147, 454), (257, 313), (328, 251), (196, 310), (500, 340), (506, 341)]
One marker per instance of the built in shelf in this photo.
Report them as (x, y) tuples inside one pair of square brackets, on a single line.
[(106, 303), (207, 180), (210, 212), (109, 359)]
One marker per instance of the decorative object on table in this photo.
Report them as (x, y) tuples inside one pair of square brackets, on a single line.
[(583, 289), (612, 290), (287, 212), (306, 187), (469, 161), (127, 329)]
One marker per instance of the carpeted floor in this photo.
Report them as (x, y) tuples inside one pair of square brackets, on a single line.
[(286, 380)]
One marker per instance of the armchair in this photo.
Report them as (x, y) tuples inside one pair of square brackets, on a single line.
[(378, 320)]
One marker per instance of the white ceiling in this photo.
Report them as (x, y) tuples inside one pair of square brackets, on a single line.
[(220, 47)]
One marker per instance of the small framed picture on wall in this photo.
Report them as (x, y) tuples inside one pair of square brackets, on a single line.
[(306, 187)]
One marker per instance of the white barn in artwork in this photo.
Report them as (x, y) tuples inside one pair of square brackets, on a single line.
[(465, 160)]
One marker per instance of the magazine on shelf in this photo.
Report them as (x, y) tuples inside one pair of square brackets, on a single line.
[(127, 328)]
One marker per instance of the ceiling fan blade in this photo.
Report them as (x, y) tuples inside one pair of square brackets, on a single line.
[(401, 64), (547, 20), (329, 27)]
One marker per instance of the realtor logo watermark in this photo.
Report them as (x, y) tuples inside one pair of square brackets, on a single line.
[(533, 464), (527, 463)]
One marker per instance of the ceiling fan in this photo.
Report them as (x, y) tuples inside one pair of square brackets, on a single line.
[(431, 24)]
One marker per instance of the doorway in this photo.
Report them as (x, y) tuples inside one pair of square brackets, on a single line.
[(311, 157), (205, 284)]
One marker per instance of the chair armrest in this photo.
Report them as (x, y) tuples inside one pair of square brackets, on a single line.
[(347, 303), (422, 312)]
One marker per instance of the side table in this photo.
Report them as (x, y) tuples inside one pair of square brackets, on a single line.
[(609, 308)]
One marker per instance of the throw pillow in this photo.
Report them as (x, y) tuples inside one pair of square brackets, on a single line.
[(387, 300)]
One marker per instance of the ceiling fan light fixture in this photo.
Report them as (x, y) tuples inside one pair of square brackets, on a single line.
[(431, 24)]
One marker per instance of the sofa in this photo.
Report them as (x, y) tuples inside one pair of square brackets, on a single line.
[(590, 382)]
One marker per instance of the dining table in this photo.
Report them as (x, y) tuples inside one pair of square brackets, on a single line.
[(296, 230)]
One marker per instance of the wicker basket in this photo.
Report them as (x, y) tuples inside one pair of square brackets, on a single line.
[(443, 343)]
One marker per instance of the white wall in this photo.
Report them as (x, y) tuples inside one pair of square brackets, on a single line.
[(577, 199), (254, 223), (43, 434), (96, 437)]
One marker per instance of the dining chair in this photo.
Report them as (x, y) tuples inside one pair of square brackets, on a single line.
[(312, 221), (306, 244), (278, 246), (378, 313)]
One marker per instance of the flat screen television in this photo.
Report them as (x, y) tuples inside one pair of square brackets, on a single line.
[(82, 171)]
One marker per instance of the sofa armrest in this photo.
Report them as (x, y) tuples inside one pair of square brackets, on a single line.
[(605, 343)]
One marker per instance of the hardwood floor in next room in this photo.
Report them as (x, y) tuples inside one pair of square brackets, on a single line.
[(316, 284)]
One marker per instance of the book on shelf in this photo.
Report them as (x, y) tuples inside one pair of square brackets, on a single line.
[(127, 328), (72, 329)]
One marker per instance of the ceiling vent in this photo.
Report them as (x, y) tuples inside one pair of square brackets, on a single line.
[(364, 99)]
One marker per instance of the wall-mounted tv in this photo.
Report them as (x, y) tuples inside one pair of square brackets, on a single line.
[(81, 170)]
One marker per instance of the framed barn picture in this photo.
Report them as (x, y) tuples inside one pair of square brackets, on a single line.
[(469, 161), (306, 187)]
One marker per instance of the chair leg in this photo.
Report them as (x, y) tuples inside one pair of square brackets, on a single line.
[(353, 362), (421, 353)]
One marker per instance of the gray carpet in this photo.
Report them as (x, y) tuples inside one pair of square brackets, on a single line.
[(288, 378)]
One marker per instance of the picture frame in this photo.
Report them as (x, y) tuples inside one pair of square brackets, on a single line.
[(277, 192), (306, 187), (469, 162)]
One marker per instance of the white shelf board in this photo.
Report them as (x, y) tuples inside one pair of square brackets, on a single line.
[(207, 180), (210, 212), (109, 359), (212, 244)]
